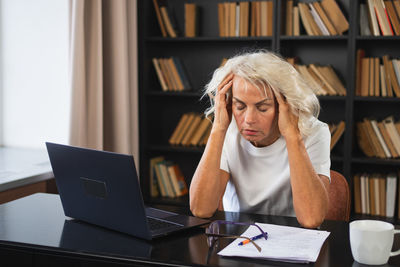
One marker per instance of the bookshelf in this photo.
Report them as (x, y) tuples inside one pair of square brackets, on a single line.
[(201, 55)]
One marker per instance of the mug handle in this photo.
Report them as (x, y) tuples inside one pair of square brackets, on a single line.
[(395, 253)]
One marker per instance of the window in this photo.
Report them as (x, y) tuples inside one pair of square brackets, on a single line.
[(34, 91)]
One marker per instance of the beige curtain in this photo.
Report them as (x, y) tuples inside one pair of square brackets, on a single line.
[(103, 57)]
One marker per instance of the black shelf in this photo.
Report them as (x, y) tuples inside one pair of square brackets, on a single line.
[(331, 98), (392, 220), (178, 201), (376, 99), (376, 161), (175, 93), (314, 38), (207, 39), (168, 148), (378, 38), (160, 111)]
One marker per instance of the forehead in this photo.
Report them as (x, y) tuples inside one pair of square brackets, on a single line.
[(243, 89)]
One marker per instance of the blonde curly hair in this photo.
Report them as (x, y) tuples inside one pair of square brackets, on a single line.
[(264, 70)]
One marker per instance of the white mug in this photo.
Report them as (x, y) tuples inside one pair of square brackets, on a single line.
[(371, 241)]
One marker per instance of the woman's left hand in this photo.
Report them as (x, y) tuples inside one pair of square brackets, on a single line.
[(287, 120)]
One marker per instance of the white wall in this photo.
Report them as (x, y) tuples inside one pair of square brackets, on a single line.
[(34, 72)]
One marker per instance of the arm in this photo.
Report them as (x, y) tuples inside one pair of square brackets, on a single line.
[(310, 190), (209, 181)]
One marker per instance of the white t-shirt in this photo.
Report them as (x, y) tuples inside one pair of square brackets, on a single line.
[(260, 176)]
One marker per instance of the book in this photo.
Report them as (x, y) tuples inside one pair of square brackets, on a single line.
[(289, 18), (166, 74), (244, 19), (386, 151), (394, 135), (396, 4), (398, 192), (168, 23), (270, 16), (392, 75), (375, 142), (364, 141), (373, 22), (382, 19), (357, 193), (360, 55), (324, 80), (335, 15), (376, 77), (382, 80), (318, 20), (200, 131), (170, 73), (371, 84), (372, 199), (296, 21), (177, 175), (396, 70), (387, 140), (364, 194), (221, 19), (333, 79), (158, 175), (309, 79), (337, 133), (182, 73), (159, 18), (191, 19), (307, 20), (324, 17), (388, 80), (322, 87), (162, 166), (232, 18), (155, 186), (375, 181), (174, 180), (178, 128), (365, 62), (188, 135), (264, 17), (160, 74), (177, 79), (185, 128), (382, 196), (393, 16), (391, 188), (364, 24)]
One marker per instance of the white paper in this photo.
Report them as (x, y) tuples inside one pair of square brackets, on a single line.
[(284, 243)]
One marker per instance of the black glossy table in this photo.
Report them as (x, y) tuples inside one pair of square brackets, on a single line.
[(35, 232)]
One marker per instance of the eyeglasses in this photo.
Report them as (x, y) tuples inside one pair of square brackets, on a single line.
[(213, 233)]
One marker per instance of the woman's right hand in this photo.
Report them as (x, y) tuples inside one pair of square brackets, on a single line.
[(223, 104)]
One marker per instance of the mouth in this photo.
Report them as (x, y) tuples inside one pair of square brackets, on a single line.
[(249, 132)]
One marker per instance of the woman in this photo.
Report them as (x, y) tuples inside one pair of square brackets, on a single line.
[(273, 158)]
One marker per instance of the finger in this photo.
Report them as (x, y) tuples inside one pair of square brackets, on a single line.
[(226, 87), (280, 98), (225, 81)]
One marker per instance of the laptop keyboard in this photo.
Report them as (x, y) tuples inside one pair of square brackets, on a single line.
[(155, 224)]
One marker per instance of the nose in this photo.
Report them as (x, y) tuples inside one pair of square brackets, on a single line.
[(250, 116)]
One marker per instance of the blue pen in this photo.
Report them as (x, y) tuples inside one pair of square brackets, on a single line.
[(244, 242)]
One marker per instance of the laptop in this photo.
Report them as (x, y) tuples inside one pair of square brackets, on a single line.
[(102, 188)]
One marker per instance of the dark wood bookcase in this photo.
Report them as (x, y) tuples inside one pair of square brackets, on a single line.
[(160, 111)]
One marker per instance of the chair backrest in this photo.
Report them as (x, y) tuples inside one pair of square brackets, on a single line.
[(339, 198)]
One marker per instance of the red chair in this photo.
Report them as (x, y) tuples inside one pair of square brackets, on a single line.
[(339, 198)]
